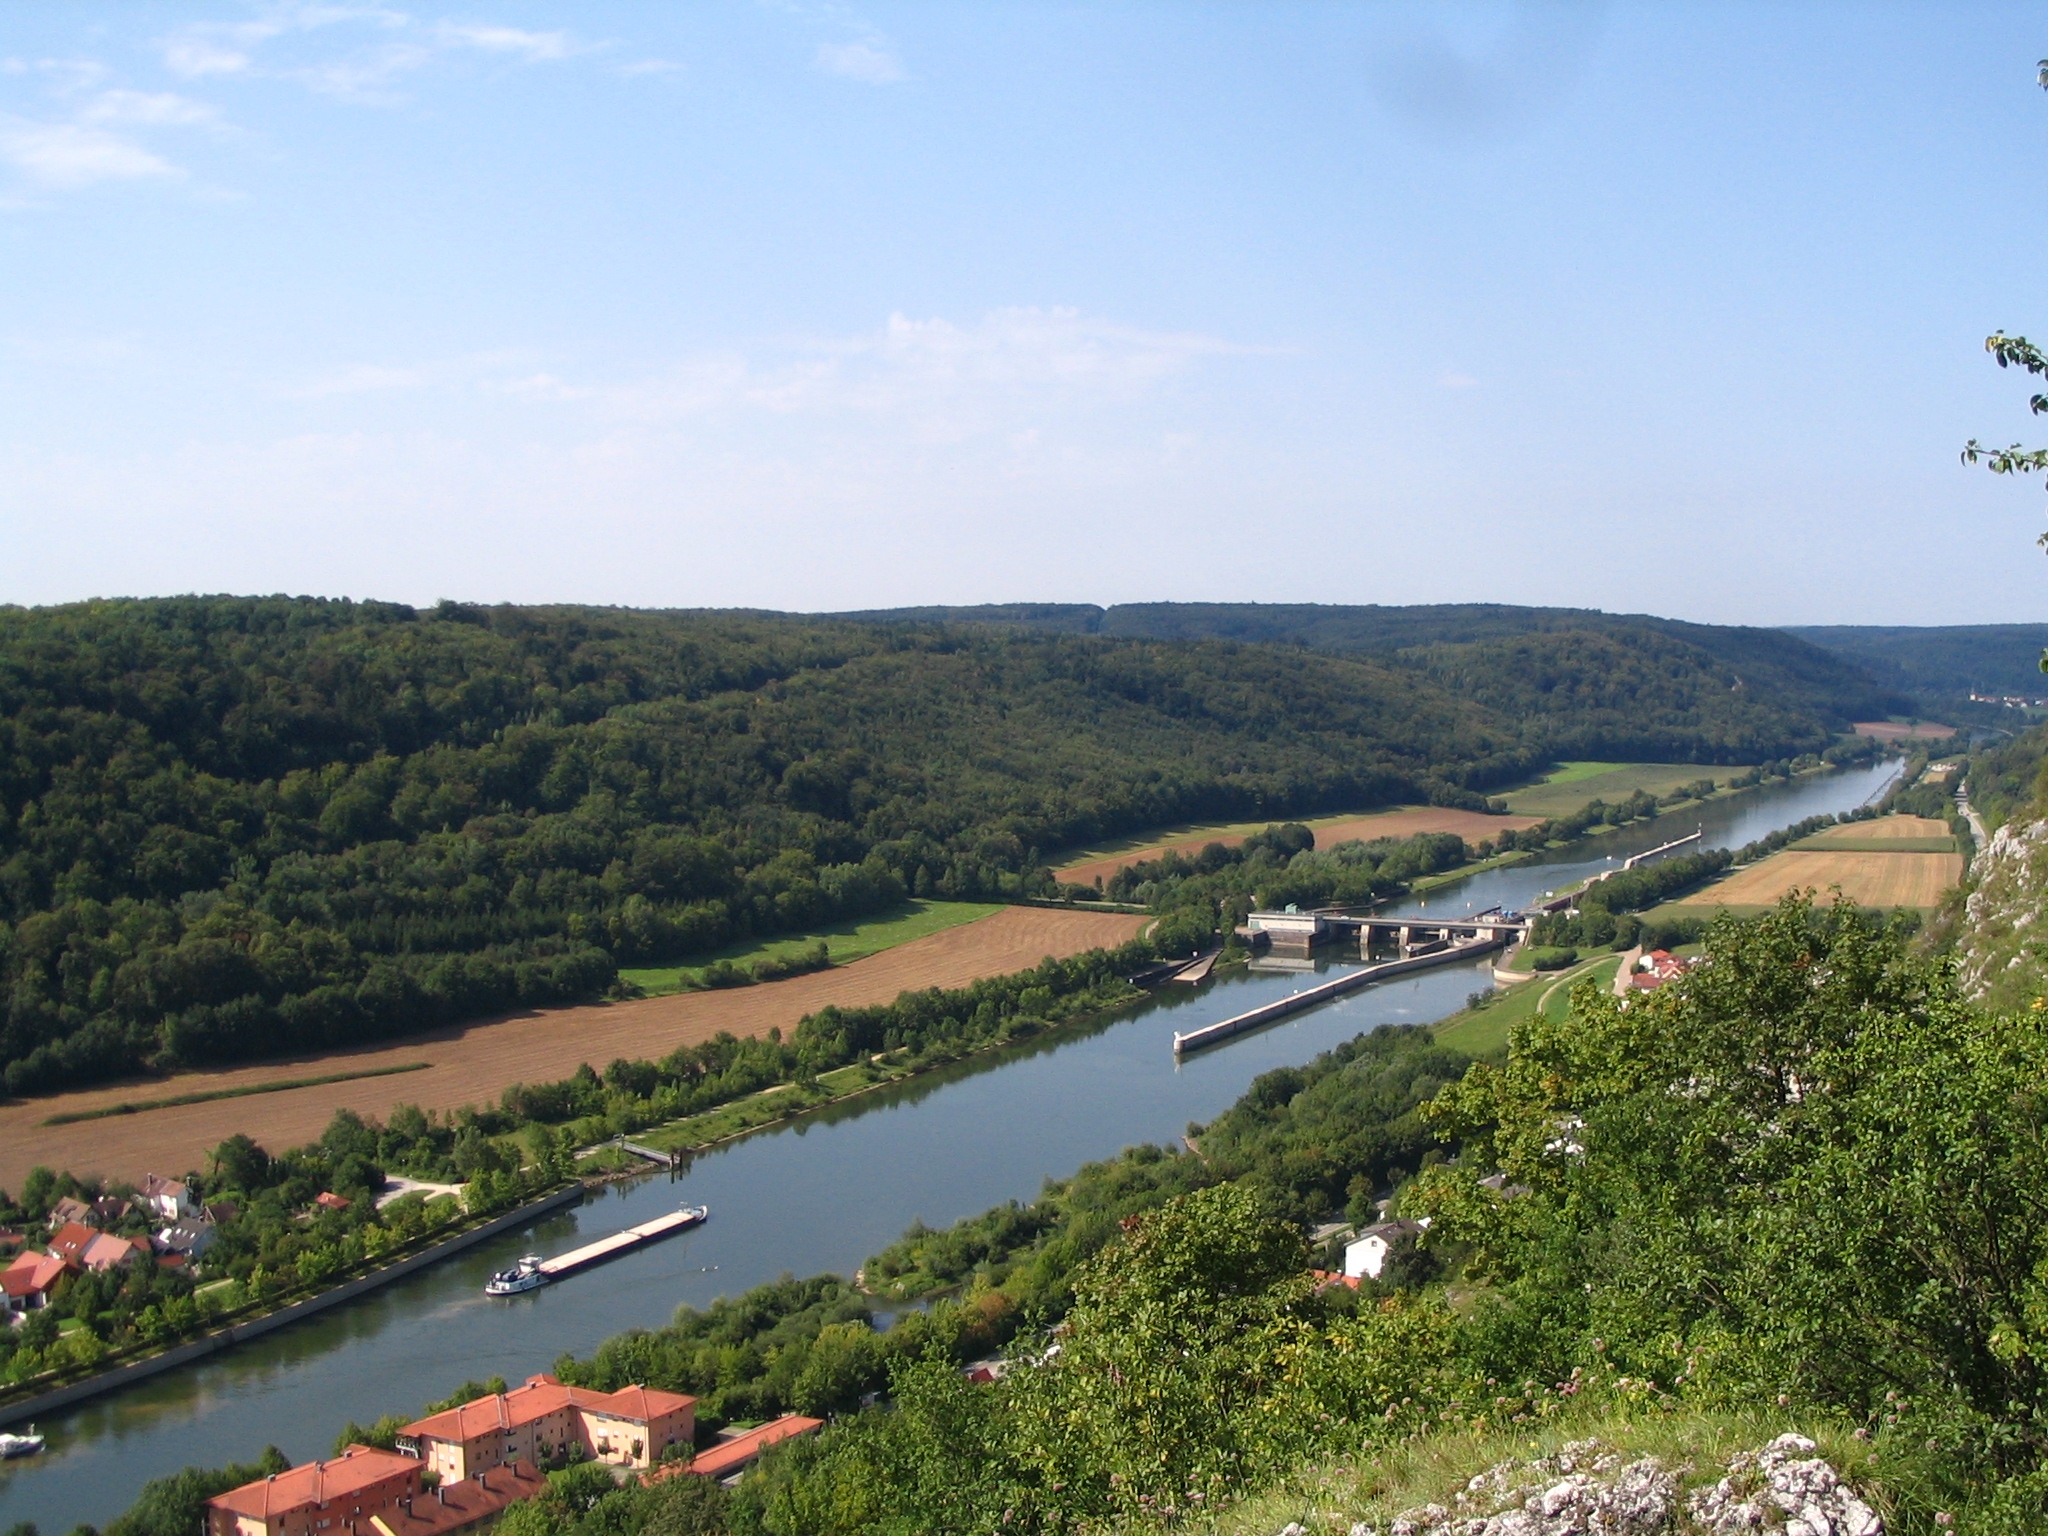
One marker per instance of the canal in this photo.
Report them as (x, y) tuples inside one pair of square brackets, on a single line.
[(821, 1194)]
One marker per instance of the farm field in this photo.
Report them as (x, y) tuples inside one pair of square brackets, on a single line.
[(854, 939), (474, 1063), (1894, 861), (1892, 730), (1103, 861), (1887, 834), (1574, 784)]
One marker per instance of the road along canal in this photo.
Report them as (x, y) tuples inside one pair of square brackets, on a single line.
[(818, 1194)]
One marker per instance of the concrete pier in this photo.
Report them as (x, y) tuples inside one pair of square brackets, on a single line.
[(1483, 942)]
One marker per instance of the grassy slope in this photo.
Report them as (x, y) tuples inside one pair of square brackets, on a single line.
[(1573, 784), (1483, 1032), (852, 939)]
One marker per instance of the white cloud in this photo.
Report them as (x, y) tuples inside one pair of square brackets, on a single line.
[(860, 61), (937, 378), (534, 47), (76, 154), (194, 58), (158, 109), (364, 378)]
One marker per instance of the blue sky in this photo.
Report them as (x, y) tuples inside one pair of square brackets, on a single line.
[(1661, 308)]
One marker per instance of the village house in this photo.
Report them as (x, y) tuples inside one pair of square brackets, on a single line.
[(34, 1279), (69, 1212), (106, 1252), (169, 1199), (545, 1421), (1656, 968), (1366, 1255), (110, 1210), (189, 1238), (367, 1492)]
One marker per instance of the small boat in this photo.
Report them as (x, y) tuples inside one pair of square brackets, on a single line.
[(696, 1213), (21, 1445), (524, 1276)]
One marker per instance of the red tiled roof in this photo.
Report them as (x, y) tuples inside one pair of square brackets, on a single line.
[(105, 1252), (735, 1453), (642, 1403), (462, 1505), (31, 1272), (316, 1482), (71, 1239), (536, 1399)]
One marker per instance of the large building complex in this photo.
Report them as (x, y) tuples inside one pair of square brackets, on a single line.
[(545, 1422)]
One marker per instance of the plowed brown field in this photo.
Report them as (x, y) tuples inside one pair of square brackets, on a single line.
[(1470, 825), (473, 1063)]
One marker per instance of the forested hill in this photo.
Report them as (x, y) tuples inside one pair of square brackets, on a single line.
[(1942, 662), (1597, 684), (231, 827)]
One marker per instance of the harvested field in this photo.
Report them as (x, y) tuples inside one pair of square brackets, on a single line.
[(474, 1063), (1868, 879), (1882, 829), (1891, 730), (1470, 825)]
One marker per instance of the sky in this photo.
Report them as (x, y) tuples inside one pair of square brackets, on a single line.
[(1662, 308)]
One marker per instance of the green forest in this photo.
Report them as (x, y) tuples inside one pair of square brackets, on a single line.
[(231, 827)]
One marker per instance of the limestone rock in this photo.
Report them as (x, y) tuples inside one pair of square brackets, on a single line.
[(1587, 1489)]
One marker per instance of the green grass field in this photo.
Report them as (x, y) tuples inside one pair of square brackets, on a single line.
[(1483, 1032), (850, 940), (1571, 785)]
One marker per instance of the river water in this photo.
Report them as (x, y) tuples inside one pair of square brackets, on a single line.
[(803, 1198)]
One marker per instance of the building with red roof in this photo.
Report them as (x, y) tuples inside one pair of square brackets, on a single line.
[(106, 1251), (344, 1494), (71, 1240), (368, 1492), (729, 1456), (33, 1279), (544, 1421)]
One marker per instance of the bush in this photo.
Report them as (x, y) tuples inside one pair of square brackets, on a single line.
[(1552, 959)]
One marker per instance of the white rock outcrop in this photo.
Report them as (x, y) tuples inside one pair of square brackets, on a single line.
[(1589, 1489)]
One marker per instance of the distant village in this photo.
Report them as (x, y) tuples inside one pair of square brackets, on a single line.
[(169, 1227)]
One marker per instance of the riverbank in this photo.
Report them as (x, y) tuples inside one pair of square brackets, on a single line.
[(473, 1063), (61, 1390)]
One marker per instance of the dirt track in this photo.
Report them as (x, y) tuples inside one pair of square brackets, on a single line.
[(473, 1063), (1470, 825)]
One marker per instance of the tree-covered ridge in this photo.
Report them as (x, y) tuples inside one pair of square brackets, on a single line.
[(1776, 669), (231, 826)]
